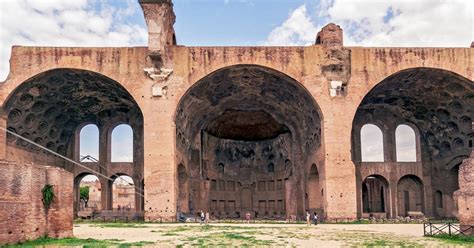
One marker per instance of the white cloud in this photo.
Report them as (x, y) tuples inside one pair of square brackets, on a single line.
[(296, 30), (386, 23), (66, 23)]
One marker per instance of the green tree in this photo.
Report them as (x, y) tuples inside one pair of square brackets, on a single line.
[(84, 195)]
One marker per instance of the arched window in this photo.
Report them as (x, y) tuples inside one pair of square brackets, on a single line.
[(371, 141), (122, 144), (89, 143), (405, 139), (271, 167)]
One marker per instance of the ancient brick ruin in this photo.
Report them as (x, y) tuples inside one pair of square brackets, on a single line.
[(464, 197), (22, 213), (274, 131)]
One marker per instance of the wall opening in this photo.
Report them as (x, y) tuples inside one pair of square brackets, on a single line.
[(90, 192), (122, 144), (405, 138), (123, 193), (314, 191), (185, 203), (410, 196), (89, 143), (374, 194), (371, 143), (439, 199)]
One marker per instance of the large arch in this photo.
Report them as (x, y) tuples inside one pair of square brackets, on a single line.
[(52, 107), (243, 118), (437, 105)]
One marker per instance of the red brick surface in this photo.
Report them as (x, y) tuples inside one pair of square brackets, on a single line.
[(22, 214)]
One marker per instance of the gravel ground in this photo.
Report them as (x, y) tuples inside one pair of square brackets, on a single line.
[(216, 234)]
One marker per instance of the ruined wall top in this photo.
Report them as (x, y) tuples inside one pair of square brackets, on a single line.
[(466, 174), (160, 18), (330, 36)]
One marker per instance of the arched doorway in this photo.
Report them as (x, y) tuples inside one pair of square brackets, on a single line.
[(313, 191), (375, 197), (184, 202), (410, 196), (124, 194), (87, 194), (245, 133)]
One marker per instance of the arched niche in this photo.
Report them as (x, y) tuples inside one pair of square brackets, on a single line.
[(247, 117)]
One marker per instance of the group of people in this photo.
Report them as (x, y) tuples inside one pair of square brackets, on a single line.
[(308, 218), (204, 217)]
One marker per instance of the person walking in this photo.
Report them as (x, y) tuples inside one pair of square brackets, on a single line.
[(315, 219), (207, 217), (203, 217), (308, 218), (247, 217)]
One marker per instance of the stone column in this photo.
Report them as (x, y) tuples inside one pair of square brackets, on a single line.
[(464, 197)]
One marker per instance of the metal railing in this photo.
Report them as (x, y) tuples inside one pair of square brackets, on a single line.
[(451, 229)]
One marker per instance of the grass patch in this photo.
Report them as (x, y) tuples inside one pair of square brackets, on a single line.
[(93, 243), (389, 243), (141, 243), (226, 239), (175, 231), (456, 239), (371, 239)]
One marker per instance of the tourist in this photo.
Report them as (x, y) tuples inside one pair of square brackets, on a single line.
[(315, 218), (308, 218), (247, 217), (202, 217), (207, 217)]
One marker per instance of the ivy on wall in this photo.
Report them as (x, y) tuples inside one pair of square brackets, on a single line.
[(48, 195)]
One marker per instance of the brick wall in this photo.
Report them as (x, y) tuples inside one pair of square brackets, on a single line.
[(464, 197), (22, 214)]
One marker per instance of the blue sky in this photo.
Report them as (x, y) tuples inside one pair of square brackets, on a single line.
[(219, 23)]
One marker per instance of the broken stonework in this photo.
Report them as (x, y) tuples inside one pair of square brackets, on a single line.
[(337, 64), (465, 195)]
